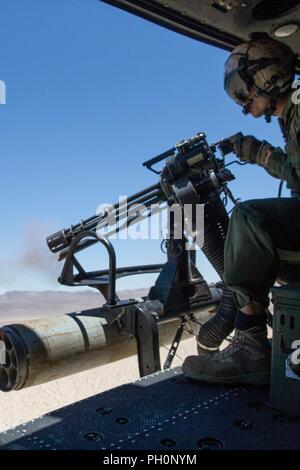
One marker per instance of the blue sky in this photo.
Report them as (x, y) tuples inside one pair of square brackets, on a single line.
[(92, 92)]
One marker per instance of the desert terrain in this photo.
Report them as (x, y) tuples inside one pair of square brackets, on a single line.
[(21, 406)]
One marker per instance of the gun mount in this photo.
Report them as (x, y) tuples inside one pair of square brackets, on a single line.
[(191, 176)]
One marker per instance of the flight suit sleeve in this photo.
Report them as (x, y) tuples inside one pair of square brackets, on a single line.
[(285, 164), (277, 163)]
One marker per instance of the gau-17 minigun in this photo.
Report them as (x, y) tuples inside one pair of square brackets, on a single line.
[(195, 180)]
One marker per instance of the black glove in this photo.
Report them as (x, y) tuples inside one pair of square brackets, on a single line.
[(251, 150)]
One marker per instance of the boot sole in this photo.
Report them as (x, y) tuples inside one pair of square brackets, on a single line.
[(249, 379)]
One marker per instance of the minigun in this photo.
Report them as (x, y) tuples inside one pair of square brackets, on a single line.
[(189, 175)]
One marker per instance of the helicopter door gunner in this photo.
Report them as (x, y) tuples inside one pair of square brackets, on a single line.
[(258, 76)]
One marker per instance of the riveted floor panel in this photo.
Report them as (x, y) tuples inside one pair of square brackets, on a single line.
[(163, 411)]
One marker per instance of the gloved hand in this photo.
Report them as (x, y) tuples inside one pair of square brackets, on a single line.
[(251, 150)]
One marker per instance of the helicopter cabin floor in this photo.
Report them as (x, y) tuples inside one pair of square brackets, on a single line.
[(163, 411)]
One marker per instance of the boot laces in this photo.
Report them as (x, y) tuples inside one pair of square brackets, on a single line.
[(236, 344)]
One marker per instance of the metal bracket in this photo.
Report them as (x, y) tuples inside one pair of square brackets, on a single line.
[(102, 280), (175, 343), (141, 321)]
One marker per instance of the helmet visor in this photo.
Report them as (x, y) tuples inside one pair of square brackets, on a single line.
[(234, 85)]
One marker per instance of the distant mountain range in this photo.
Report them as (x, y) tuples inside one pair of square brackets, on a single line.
[(30, 304)]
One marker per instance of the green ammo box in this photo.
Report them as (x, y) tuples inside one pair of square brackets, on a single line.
[(285, 377)]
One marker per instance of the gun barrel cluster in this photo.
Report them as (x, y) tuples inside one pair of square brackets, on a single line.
[(135, 204)]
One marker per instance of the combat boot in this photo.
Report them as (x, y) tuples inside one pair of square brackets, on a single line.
[(246, 360)]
